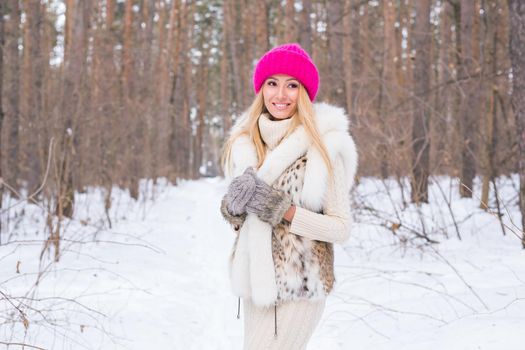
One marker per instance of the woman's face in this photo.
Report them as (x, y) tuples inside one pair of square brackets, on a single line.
[(280, 93)]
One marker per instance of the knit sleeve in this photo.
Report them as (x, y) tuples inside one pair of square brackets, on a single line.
[(334, 224)]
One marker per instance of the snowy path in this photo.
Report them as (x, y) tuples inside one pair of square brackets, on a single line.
[(175, 294)]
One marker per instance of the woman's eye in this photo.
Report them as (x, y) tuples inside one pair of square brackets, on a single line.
[(272, 83), (293, 85)]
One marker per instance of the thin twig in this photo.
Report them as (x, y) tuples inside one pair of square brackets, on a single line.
[(519, 234), (31, 196), (449, 206), (460, 277), (22, 345)]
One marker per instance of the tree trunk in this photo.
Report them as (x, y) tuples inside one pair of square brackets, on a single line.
[(75, 52), (224, 72), (517, 57), (128, 98), (385, 86), (261, 29), (491, 88), (467, 115), (305, 27), (3, 11), (235, 62), (347, 55), (176, 28), (12, 108), (442, 106), (148, 109), (335, 84), (420, 123), (201, 112), (290, 30), (31, 101)]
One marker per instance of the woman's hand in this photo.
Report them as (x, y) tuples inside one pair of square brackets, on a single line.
[(268, 203), (248, 193), (240, 191)]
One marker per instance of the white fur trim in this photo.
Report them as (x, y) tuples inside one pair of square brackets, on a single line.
[(243, 155), (262, 271), (240, 267)]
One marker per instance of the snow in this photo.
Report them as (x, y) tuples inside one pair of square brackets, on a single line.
[(158, 279)]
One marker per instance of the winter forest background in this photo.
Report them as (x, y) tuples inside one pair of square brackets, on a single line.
[(112, 118)]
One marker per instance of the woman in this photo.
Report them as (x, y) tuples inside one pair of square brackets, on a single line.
[(292, 164)]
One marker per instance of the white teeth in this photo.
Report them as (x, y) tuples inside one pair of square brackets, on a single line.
[(280, 105)]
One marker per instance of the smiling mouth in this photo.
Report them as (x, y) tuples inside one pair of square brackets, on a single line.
[(281, 106)]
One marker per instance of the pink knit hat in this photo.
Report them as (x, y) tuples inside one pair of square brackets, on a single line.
[(288, 59)]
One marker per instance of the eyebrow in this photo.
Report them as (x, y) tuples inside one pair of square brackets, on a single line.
[(272, 77)]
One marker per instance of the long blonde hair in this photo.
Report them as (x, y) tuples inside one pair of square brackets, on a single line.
[(303, 116)]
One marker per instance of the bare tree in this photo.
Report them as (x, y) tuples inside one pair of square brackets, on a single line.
[(442, 116), (336, 86), (420, 122), (3, 10), (468, 119), (290, 29), (31, 93), (347, 53), (12, 107), (143, 100), (75, 55), (517, 56), (490, 68), (305, 26)]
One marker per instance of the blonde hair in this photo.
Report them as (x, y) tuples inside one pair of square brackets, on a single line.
[(303, 116)]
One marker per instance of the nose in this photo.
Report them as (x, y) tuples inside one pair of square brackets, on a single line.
[(281, 92)]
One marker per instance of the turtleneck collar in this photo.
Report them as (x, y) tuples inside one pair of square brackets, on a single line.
[(273, 131)]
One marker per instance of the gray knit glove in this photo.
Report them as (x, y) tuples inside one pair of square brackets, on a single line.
[(240, 191), (268, 203)]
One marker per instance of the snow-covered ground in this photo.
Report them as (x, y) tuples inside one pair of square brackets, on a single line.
[(158, 278)]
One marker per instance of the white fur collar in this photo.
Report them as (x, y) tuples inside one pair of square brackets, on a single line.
[(332, 124)]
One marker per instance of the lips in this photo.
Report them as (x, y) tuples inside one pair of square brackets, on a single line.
[(281, 106)]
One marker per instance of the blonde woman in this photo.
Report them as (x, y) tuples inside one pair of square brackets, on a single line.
[(292, 165)]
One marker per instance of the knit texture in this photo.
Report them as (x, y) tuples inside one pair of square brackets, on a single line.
[(240, 191), (288, 59), (334, 225), (296, 322), (267, 203), (273, 131)]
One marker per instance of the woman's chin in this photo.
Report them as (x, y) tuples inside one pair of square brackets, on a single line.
[(281, 114)]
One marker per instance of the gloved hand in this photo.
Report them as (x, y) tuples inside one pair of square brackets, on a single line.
[(235, 220), (268, 203), (240, 191)]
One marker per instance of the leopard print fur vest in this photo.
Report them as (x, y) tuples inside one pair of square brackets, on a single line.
[(304, 268)]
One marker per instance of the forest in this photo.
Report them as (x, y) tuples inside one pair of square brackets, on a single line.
[(124, 97)]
